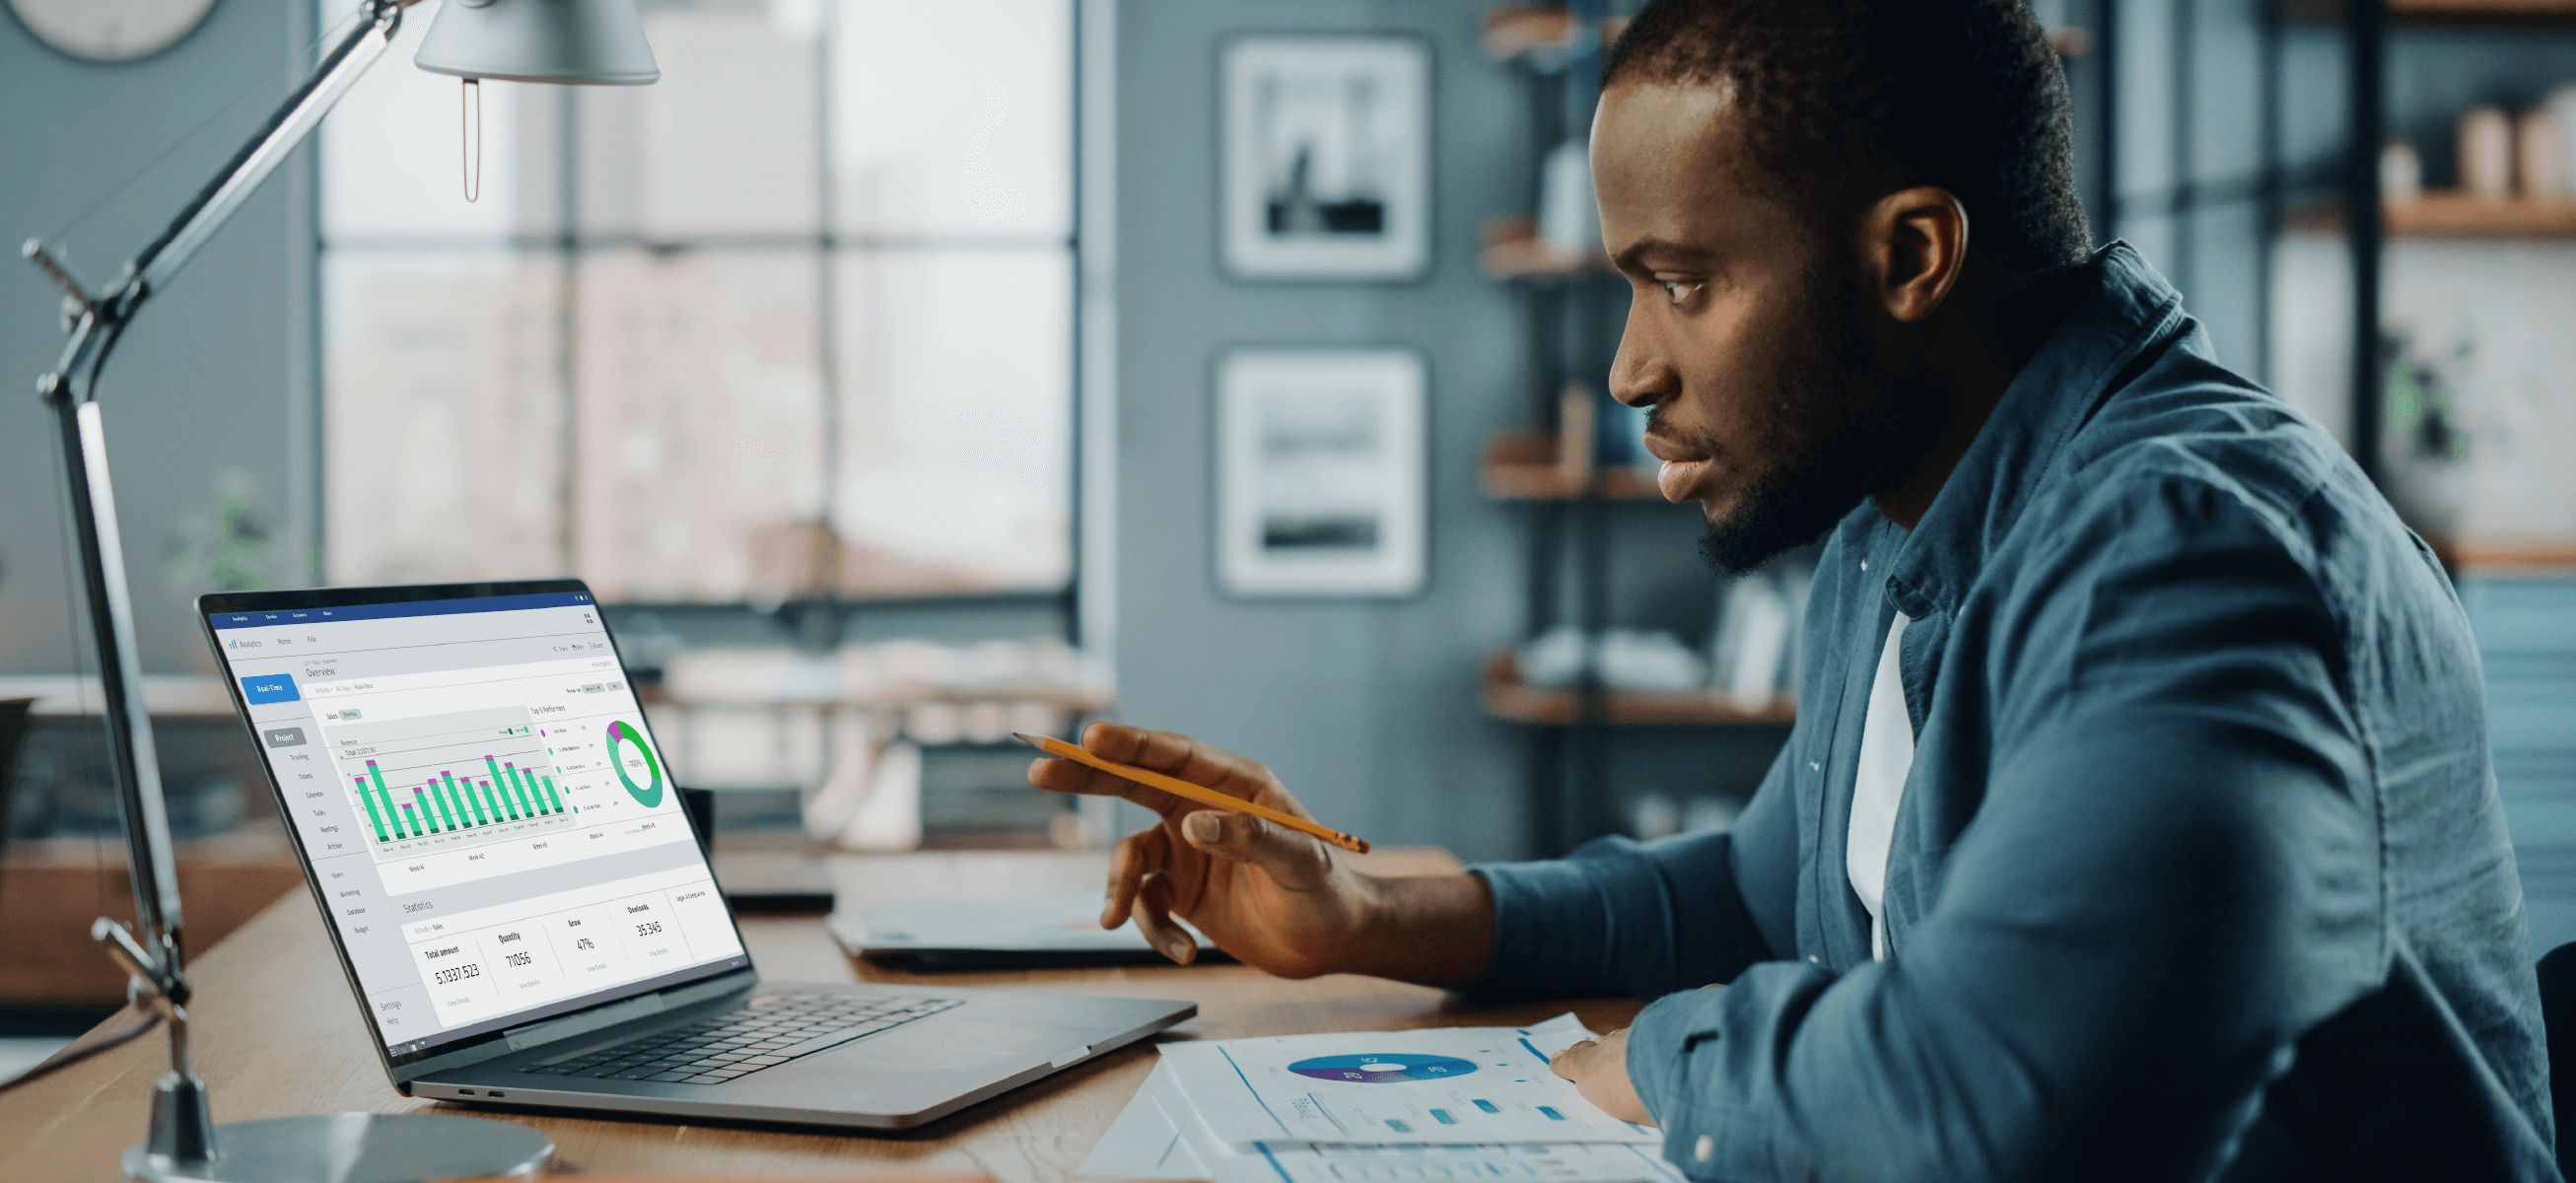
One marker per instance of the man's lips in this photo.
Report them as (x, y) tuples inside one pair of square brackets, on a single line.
[(1682, 468), (1679, 477)]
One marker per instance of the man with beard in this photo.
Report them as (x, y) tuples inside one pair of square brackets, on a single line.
[(2137, 821)]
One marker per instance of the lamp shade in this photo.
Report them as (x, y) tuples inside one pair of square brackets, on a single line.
[(586, 42)]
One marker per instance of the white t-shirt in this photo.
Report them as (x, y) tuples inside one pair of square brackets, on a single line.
[(1886, 755)]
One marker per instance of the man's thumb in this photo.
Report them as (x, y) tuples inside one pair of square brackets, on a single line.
[(1294, 861)]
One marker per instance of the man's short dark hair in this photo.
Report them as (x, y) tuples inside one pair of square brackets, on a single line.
[(1967, 95)]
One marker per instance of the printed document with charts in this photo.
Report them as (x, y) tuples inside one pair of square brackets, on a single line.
[(1433, 1105)]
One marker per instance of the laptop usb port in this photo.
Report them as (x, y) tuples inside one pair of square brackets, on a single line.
[(465, 1092)]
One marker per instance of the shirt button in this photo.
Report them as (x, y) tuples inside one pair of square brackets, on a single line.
[(1812, 766), (1704, 1149), (1811, 959), (1864, 564)]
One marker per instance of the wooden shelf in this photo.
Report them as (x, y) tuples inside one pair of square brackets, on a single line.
[(2505, 556), (1540, 34), (2449, 12), (1544, 33), (1505, 696), (2451, 215), (1513, 251), (1523, 466)]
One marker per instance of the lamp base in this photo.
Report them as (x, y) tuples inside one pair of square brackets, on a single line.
[(355, 1148)]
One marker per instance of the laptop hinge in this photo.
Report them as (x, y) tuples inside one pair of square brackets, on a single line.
[(641, 1007), (644, 1007)]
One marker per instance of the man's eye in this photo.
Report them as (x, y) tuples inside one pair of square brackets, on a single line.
[(1678, 292)]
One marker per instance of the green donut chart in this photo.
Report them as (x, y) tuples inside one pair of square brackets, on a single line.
[(647, 796)]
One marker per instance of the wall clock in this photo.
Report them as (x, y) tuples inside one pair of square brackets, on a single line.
[(110, 30)]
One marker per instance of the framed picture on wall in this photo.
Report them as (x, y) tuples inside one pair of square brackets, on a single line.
[(1320, 472), (1326, 157)]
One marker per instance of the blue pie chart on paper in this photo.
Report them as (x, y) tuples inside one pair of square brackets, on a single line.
[(1386, 1069)]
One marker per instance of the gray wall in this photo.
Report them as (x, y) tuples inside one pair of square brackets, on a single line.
[(1367, 709), (202, 383)]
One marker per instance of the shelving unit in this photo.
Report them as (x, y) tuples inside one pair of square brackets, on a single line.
[(2450, 215), (1505, 696), (1513, 250), (2517, 594), (1527, 466), (2483, 11), (1548, 467)]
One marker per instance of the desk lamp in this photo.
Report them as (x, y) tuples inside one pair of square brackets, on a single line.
[(596, 42)]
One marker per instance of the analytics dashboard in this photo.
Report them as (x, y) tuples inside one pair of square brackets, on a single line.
[(479, 801)]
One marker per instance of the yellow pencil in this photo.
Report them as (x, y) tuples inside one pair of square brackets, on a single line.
[(1181, 788)]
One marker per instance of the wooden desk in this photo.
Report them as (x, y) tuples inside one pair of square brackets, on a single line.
[(278, 1033)]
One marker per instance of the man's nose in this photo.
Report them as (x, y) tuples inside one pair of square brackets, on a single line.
[(1641, 381)]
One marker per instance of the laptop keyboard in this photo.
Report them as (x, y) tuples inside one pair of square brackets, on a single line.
[(768, 1031)]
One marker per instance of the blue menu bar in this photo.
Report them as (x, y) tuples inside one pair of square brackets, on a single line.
[(293, 616)]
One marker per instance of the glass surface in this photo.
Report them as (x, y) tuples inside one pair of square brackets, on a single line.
[(688, 461), (442, 415), (728, 142), (699, 421), (956, 395), (393, 151), (953, 118)]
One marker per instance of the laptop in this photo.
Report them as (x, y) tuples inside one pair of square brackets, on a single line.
[(521, 903)]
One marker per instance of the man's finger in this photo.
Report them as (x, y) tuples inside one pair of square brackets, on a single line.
[(1177, 755), (1136, 856), (1570, 1061), (1066, 776), (1153, 911), (1294, 861)]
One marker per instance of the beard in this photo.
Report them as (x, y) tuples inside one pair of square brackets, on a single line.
[(1847, 428)]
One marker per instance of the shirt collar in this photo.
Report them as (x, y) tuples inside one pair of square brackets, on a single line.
[(2120, 308)]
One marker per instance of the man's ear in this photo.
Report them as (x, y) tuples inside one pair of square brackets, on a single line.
[(1914, 243)]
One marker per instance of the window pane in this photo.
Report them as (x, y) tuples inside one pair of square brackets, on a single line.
[(443, 415), (728, 142), (393, 150), (956, 395), (699, 423), (953, 118)]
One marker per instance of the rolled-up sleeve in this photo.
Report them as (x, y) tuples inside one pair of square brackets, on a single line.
[(1647, 918)]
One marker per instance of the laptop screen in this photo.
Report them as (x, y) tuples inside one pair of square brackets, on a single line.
[(491, 828)]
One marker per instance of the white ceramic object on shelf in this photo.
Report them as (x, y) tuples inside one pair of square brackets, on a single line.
[(2561, 105), (2540, 157), (890, 817), (1567, 218), (2486, 154), (2401, 173)]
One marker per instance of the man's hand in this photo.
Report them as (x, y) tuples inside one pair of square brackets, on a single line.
[(1276, 899), (1272, 897), (1599, 1069)]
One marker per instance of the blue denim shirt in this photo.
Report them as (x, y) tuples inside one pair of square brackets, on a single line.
[(2199, 872)]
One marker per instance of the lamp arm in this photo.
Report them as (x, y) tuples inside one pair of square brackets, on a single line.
[(182, 1124), (97, 324), (287, 127)]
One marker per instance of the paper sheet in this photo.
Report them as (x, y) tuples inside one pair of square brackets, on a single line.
[(1143, 1143), (1428, 1087), (1448, 1162)]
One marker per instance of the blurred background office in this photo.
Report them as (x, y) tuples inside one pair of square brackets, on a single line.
[(904, 374)]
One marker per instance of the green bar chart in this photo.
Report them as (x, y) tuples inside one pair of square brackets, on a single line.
[(419, 787)]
